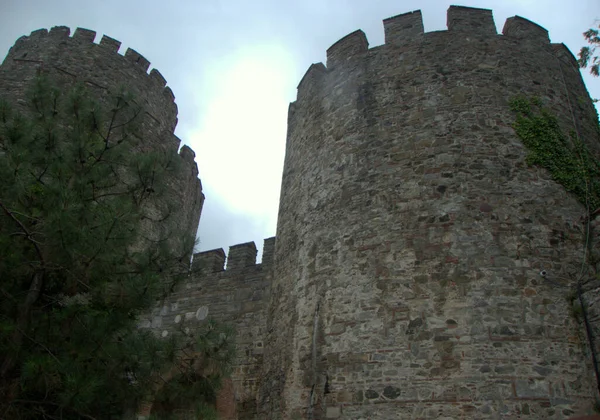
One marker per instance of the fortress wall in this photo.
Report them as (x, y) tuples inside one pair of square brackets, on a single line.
[(411, 233), (98, 65), (68, 60), (406, 278), (588, 306), (236, 295)]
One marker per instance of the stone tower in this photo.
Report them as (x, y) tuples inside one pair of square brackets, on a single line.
[(404, 281), (77, 59), (412, 233)]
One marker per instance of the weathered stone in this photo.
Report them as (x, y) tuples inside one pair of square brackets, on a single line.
[(333, 412), (391, 392), (403, 161), (370, 394), (412, 234), (531, 388)]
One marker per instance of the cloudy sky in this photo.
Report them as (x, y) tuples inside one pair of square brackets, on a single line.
[(234, 66)]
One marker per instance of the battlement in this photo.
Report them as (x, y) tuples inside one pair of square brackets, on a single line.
[(43, 45), (407, 28), (85, 35), (311, 80), (110, 43), (187, 154), (137, 59), (240, 256), (518, 27), (209, 261), (471, 20), (404, 28), (268, 251), (59, 32), (189, 157), (562, 52), (349, 46)]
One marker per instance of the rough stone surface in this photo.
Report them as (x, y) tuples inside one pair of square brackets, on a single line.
[(411, 232), (405, 281), (237, 296)]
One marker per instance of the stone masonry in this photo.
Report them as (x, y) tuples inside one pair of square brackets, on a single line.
[(412, 234), (421, 268), (237, 295)]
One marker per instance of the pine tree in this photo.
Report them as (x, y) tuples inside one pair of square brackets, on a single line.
[(77, 265)]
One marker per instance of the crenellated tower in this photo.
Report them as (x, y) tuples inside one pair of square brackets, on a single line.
[(412, 233), (405, 281), (77, 59)]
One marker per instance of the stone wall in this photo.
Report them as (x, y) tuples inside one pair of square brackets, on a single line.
[(412, 234), (235, 295), (585, 299), (422, 268)]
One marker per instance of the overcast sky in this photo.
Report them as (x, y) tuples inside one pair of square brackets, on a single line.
[(234, 66)]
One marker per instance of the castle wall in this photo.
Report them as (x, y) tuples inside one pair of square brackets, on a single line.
[(585, 300), (236, 295), (412, 233), (68, 60), (406, 278)]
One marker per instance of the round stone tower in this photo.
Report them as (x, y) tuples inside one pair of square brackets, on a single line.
[(412, 233), (68, 60)]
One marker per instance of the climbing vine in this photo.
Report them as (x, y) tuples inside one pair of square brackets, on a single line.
[(566, 158)]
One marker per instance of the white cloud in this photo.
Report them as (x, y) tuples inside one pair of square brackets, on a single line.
[(240, 134)]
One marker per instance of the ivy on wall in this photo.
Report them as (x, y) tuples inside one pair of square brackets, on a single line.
[(566, 157)]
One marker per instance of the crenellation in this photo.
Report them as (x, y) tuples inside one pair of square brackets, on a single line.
[(471, 19), (562, 52), (138, 59), (187, 154), (212, 261), (404, 28), (38, 33), (350, 46), (521, 28), (268, 251), (405, 275), (241, 256), (291, 111), (157, 78), (110, 44), (84, 35), (168, 93), (310, 83), (60, 32), (42, 44)]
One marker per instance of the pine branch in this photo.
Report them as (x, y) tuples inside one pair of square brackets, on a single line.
[(35, 289), (25, 231), (33, 402)]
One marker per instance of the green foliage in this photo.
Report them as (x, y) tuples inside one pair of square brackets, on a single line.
[(566, 158), (81, 257), (587, 56), (210, 352)]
